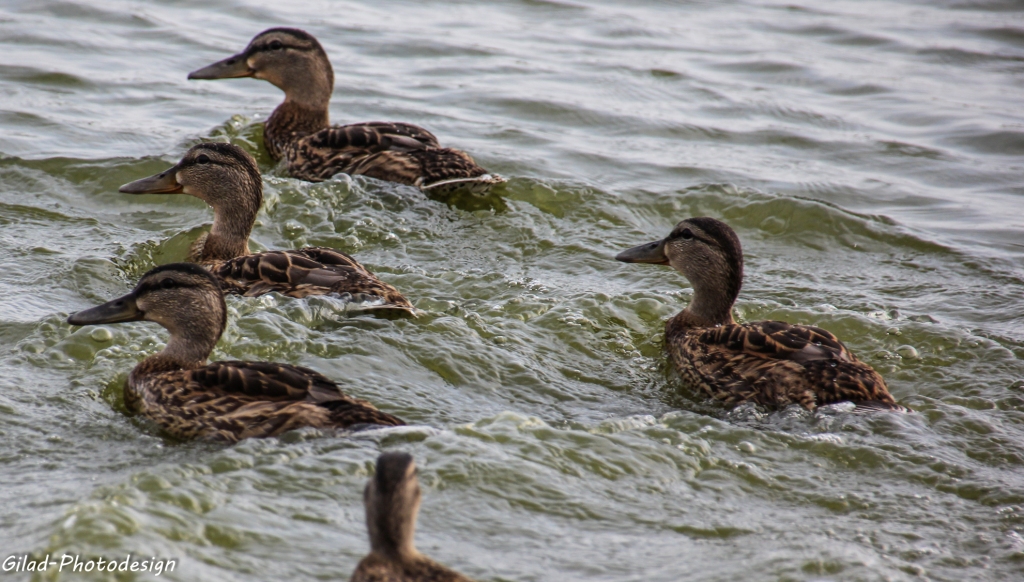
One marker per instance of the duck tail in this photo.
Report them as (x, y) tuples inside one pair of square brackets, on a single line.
[(869, 406), (478, 185), (346, 412)]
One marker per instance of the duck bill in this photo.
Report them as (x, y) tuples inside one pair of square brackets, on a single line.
[(652, 252), (117, 311), (230, 68), (165, 182)]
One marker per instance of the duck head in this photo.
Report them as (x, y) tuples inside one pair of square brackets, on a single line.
[(290, 59), (184, 298), (708, 253), (224, 176)]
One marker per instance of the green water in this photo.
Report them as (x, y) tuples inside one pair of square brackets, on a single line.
[(867, 153)]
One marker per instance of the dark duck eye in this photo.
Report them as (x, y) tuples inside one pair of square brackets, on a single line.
[(686, 234), (167, 283), (202, 159), (275, 45)]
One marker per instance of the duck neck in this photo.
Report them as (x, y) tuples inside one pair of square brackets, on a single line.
[(709, 307), (188, 347), (392, 528), (228, 237), (293, 120), (233, 218)]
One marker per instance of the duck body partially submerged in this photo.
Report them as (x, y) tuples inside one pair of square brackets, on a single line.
[(230, 401), (772, 363), (299, 133), (226, 401)]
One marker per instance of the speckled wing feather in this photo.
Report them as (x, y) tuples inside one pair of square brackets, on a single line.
[(305, 272), (775, 364), (396, 152), (320, 155), (267, 381), (230, 401), (385, 133), (421, 168)]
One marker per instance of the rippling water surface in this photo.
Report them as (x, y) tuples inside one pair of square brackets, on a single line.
[(867, 153)]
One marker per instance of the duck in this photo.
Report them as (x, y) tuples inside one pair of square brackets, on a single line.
[(392, 500), (299, 130), (190, 398), (769, 363), (227, 178)]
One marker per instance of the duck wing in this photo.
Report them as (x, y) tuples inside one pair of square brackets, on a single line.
[(320, 155), (776, 363), (305, 272), (395, 152), (232, 400), (428, 169), (374, 136), (778, 340), (267, 381)]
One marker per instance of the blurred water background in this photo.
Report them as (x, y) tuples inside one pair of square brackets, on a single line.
[(868, 153)]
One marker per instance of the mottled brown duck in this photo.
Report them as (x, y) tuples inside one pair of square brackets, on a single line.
[(299, 130), (771, 363), (392, 500), (227, 178), (224, 401)]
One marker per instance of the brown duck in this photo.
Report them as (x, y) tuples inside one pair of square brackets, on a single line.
[(299, 130), (392, 500), (771, 363), (227, 178), (225, 401)]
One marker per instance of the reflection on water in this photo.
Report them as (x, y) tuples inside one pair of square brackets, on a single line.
[(866, 154)]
